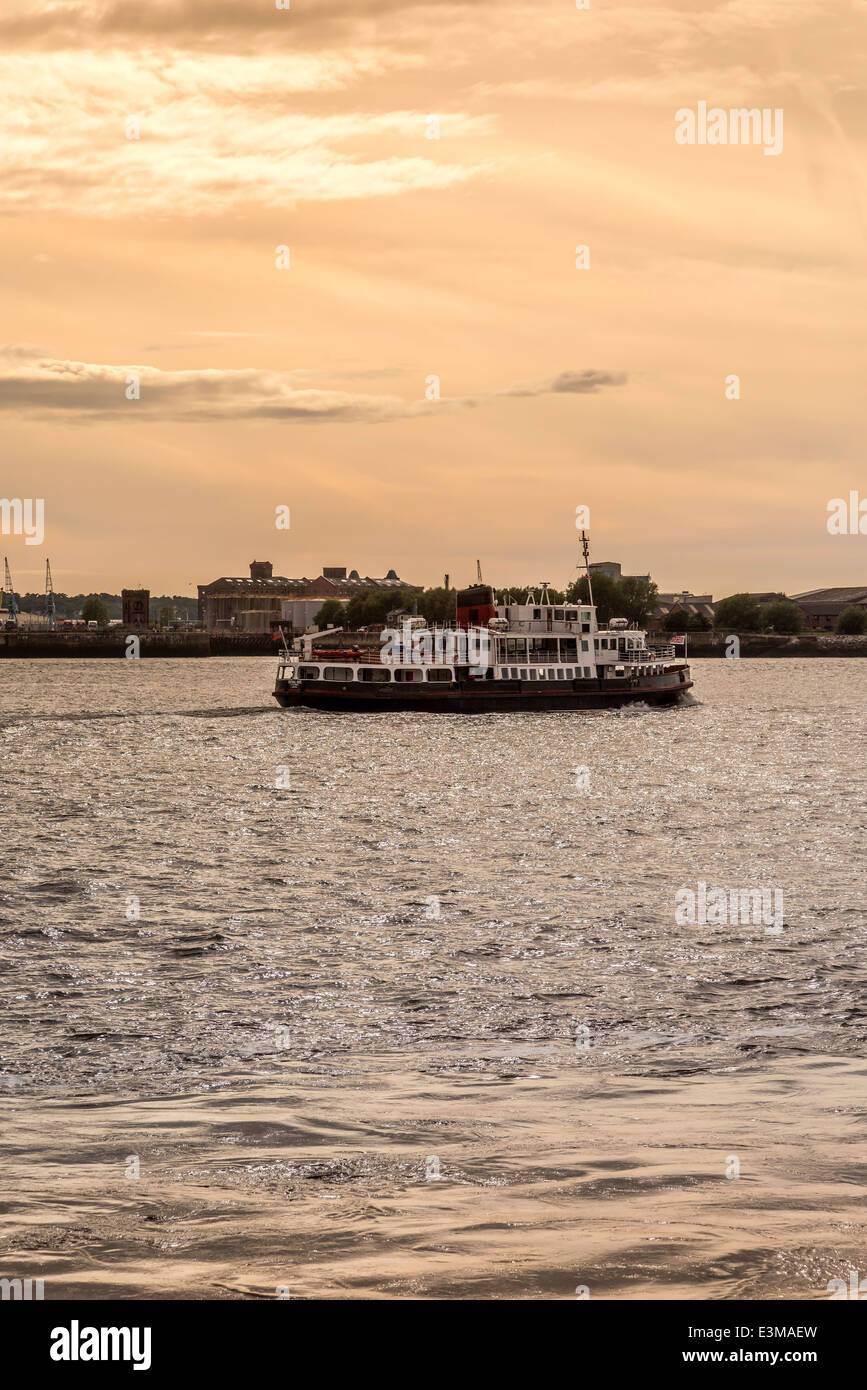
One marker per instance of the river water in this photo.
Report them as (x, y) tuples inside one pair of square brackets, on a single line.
[(387, 1006)]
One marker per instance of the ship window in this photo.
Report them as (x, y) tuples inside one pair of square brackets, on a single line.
[(375, 673), (338, 673), (571, 617), (588, 673), (585, 617), (533, 673), (537, 612), (523, 675), (560, 673), (440, 673), (558, 613), (409, 675), (308, 673)]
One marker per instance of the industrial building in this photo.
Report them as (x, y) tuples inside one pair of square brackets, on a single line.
[(612, 569), (693, 605), (822, 607), (135, 607), (256, 604)]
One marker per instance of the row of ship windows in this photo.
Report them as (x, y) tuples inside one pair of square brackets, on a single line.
[(439, 673), (376, 674), (568, 615), (560, 673)]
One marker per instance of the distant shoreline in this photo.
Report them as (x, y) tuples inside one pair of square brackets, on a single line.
[(113, 644), (772, 644)]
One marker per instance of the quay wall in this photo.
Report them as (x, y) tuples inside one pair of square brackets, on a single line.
[(756, 644), (113, 643)]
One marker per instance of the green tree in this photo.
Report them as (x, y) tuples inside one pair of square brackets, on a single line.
[(631, 597), (852, 621), (93, 610), (604, 596), (637, 599), (437, 605), (331, 614), (373, 605), (782, 616), (740, 613), (676, 620)]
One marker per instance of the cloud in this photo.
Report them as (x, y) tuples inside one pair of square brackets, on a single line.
[(122, 133), (585, 383), (35, 384), (65, 20)]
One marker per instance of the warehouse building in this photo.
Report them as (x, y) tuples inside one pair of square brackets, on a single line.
[(255, 604), (822, 607)]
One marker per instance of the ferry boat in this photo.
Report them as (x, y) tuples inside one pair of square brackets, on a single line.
[(535, 655)]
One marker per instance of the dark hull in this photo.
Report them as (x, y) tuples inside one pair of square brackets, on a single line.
[(483, 697)]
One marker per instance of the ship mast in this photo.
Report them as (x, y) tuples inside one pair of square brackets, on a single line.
[(585, 546)]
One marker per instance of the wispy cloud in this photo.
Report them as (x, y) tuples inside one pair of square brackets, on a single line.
[(31, 383), (209, 133)]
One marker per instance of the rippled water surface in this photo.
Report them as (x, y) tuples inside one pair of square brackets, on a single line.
[(286, 958)]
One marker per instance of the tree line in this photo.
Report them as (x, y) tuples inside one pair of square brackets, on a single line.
[(101, 608), (743, 613), (630, 597)]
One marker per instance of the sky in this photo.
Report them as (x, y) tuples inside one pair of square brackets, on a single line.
[(323, 258)]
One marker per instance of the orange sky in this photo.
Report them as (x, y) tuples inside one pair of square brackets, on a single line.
[(412, 257)]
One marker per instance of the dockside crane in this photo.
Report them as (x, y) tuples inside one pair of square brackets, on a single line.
[(10, 597), (50, 601)]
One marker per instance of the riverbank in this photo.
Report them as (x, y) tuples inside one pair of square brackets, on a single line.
[(113, 643), (756, 644)]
